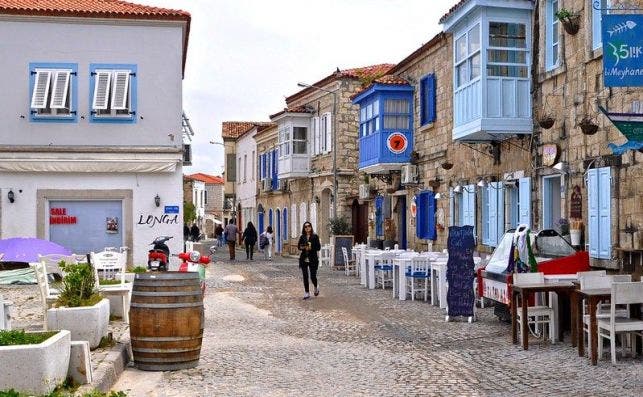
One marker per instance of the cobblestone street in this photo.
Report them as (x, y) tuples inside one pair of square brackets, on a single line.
[(261, 338)]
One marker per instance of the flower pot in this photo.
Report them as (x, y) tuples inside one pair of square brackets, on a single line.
[(588, 128), (546, 122), (575, 235), (447, 165), (85, 323), (36, 369), (571, 26)]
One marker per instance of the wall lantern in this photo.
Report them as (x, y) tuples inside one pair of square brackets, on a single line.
[(11, 196), (157, 200)]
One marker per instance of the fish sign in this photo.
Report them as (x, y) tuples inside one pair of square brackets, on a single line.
[(622, 50)]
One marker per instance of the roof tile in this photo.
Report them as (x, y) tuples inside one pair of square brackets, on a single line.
[(90, 8), (234, 129), (217, 180)]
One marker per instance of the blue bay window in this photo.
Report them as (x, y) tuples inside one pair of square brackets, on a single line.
[(53, 90), (386, 125)]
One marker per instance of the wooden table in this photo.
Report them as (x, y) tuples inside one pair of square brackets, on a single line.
[(593, 296), (524, 291)]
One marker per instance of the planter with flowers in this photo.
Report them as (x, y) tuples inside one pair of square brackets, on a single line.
[(575, 232), (588, 126), (570, 20)]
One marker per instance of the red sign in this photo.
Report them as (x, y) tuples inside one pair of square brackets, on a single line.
[(58, 216), (397, 143)]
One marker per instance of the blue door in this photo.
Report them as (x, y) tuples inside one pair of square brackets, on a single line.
[(401, 210), (278, 232), (551, 201)]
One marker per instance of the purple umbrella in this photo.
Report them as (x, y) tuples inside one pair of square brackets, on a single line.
[(20, 249)]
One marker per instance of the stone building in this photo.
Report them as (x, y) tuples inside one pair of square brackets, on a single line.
[(316, 160), (206, 193)]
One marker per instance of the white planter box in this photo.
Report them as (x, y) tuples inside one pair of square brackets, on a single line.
[(85, 323), (35, 369)]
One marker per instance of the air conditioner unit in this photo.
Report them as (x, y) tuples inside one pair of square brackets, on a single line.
[(409, 174), (283, 185), (364, 191), (267, 185)]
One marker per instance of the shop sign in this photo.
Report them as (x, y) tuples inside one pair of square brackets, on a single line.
[(414, 208), (397, 143), (171, 209), (622, 50), (550, 154), (58, 216), (576, 203)]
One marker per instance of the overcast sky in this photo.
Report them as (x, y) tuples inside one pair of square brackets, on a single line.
[(245, 56)]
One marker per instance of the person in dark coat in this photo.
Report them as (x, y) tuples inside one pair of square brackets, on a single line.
[(308, 258), (186, 232), (249, 238), (195, 232)]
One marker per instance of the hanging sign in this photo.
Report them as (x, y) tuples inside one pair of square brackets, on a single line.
[(414, 208), (397, 143), (576, 203), (622, 50), (550, 154)]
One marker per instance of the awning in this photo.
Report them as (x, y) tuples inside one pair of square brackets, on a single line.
[(630, 125)]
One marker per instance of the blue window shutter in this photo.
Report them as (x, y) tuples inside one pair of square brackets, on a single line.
[(261, 167), (524, 201), (420, 215), (592, 211), (275, 181), (431, 233), (469, 199), (431, 98), (604, 213), (285, 227), (488, 215), (260, 222), (379, 204), (452, 208), (500, 212)]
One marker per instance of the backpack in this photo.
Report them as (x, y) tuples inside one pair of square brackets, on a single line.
[(263, 241)]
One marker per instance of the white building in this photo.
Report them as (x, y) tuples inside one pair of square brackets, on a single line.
[(247, 176), (91, 131)]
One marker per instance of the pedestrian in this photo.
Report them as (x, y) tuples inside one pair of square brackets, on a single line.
[(218, 235), (249, 239), (186, 232), (195, 232), (231, 231), (308, 259), (267, 245)]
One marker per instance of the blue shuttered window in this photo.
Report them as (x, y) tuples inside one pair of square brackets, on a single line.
[(493, 213), (275, 181), (285, 227), (379, 215), (524, 201), (599, 212), (469, 206), (425, 222), (427, 99), (270, 217)]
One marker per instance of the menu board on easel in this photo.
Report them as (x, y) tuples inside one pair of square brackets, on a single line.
[(338, 243), (460, 271)]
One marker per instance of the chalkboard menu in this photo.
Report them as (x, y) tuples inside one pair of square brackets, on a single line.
[(339, 242), (460, 273)]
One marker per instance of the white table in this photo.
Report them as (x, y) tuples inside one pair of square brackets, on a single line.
[(373, 257)]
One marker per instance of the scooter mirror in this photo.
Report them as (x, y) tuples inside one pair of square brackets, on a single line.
[(195, 256), (213, 249)]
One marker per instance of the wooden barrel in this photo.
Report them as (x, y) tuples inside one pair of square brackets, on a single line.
[(166, 320)]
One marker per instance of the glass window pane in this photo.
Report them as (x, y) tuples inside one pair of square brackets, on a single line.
[(507, 35), (461, 48), (403, 122), (461, 74), (507, 71), (389, 122), (554, 57), (474, 39), (376, 107), (362, 114), (475, 66), (506, 56), (369, 111), (377, 124), (299, 147), (299, 133)]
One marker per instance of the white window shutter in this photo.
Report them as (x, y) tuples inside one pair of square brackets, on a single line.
[(329, 131), (60, 89), (101, 90), (317, 135), (294, 230), (40, 89), (120, 90)]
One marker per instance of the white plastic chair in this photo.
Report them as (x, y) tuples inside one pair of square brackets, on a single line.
[(349, 265), (537, 314), (52, 262), (324, 255), (622, 294), (110, 265), (384, 270), (47, 295)]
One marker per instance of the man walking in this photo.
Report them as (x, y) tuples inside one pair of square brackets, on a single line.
[(231, 232)]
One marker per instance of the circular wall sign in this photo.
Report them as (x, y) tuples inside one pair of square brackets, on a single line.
[(414, 209), (397, 143)]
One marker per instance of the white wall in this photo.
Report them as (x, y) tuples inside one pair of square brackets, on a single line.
[(246, 189)]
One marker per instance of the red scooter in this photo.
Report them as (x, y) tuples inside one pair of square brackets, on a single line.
[(158, 257)]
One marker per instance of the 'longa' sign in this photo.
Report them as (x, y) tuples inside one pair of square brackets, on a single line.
[(152, 220)]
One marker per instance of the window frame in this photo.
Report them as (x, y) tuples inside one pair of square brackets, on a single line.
[(467, 59), (72, 92), (552, 41), (132, 86), (397, 115), (508, 50), (428, 105), (366, 121), (303, 140), (597, 26)]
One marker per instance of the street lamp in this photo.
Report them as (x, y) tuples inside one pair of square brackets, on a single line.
[(334, 139)]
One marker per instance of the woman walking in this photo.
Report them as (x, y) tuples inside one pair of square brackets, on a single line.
[(249, 239), (267, 249), (308, 259)]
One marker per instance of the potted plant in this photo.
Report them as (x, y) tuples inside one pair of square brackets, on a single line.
[(447, 165), (588, 126), (341, 236), (570, 20), (80, 308), (35, 362), (546, 121)]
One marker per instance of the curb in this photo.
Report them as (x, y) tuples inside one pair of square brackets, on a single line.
[(109, 370)]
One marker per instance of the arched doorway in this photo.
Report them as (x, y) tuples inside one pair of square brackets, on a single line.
[(277, 233), (284, 231)]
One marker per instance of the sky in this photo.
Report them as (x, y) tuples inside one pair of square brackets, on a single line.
[(245, 56)]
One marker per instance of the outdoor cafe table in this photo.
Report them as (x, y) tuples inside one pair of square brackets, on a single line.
[(524, 291), (375, 256), (593, 296)]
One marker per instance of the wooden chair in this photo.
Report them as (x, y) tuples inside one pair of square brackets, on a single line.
[(537, 314), (110, 265), (622, 294), (349, 264)]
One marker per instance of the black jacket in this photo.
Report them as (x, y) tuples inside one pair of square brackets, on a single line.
[(250, 236), (315, 246)]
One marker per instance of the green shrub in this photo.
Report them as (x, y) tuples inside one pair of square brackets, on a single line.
[(20, 337), (339, 226), (139, 269), (79, 287)]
